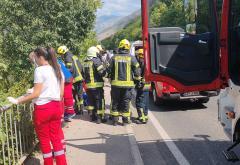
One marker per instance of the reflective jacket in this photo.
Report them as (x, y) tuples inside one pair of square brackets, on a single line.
[(123, 70), (93, 73), (73, 64)]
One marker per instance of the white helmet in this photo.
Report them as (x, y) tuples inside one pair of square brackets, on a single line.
[(92, 52)]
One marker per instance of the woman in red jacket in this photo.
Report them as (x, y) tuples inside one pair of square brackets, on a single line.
[(47, 95)]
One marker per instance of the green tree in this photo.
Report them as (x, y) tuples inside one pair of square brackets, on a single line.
[(26, 24)]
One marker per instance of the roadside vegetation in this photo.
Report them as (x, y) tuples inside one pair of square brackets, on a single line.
[(26, 24)]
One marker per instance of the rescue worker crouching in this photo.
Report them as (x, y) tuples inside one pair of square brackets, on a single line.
[(93, 72), (73, 64), (123, 70), (142, 90)]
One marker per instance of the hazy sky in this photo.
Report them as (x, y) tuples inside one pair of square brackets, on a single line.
[(118, 7)]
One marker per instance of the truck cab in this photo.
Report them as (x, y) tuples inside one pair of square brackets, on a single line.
[(196, 53)]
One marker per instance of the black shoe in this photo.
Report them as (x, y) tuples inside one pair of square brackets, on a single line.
[(126, 121), (98, 121), (115, 121), (93, 117), (104, 120), (139, 121)]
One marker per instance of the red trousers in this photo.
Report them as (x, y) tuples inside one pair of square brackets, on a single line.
[(47, 122), (68, 98)]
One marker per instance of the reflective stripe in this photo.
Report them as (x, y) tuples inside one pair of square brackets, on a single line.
[(116, 71), (100, 67), (79, 77), (126, 114), (59, 153), (147, 86), (100, 112), (123, 83), (90, 108), (114, 113), (129, 70), (81, 101), (143, 118), (137, 65), (47, 155), (138, 78), (94, 85), (69, 64)]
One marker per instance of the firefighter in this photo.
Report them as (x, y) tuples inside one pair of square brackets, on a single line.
[(123, 68), (93, 72), (142, 90), (73, 64)]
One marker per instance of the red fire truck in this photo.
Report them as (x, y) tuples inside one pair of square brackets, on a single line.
[(197, 58)]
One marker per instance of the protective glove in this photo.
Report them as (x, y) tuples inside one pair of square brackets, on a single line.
[(140, 84), (29, 91), (12, 100)]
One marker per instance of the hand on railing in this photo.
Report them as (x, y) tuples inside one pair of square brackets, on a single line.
[(12, 100), (4, 108)]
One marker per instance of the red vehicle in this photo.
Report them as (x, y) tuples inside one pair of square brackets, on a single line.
[(162, 91), (198, 59), (187, 60)]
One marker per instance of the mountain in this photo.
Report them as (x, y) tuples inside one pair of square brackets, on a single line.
[(105, 21), (111, 26)]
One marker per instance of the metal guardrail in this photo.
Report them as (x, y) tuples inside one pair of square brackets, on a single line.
[(17, 137)]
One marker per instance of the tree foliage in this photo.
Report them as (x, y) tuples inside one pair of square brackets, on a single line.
[(26, 24)]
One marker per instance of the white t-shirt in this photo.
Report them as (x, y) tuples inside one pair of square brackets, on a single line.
[(51, 86)]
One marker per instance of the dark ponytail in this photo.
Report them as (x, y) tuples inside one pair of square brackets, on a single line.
[(54, 63), (49, 54)]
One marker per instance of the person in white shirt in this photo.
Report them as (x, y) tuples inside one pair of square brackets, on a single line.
[(46, 96)]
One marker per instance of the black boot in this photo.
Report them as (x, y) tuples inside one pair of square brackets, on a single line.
[(81, 109), (99, 119), (93, 116), (115, 121), (125, 121)]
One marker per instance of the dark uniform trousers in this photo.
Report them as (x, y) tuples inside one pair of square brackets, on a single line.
[(96, 102), (78, 96), (142, 104), (121, 98)]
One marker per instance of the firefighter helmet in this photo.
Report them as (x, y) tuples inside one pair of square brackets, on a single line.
[(124, 44), (92, 52), (139, 53), (62, 50), (99, 47)]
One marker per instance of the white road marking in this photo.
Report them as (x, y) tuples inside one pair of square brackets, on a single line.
[(134, 147), (167, 139)]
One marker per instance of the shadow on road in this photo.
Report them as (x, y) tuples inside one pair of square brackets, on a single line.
[(176, 106), (199, 151), (115, 147)]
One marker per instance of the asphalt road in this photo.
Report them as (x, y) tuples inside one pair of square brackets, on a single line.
[(188, 133)]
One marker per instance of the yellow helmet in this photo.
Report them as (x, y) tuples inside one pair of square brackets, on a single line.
[(139, 53), (92, 52), (124, 44), (99, 47), (62, 50)]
